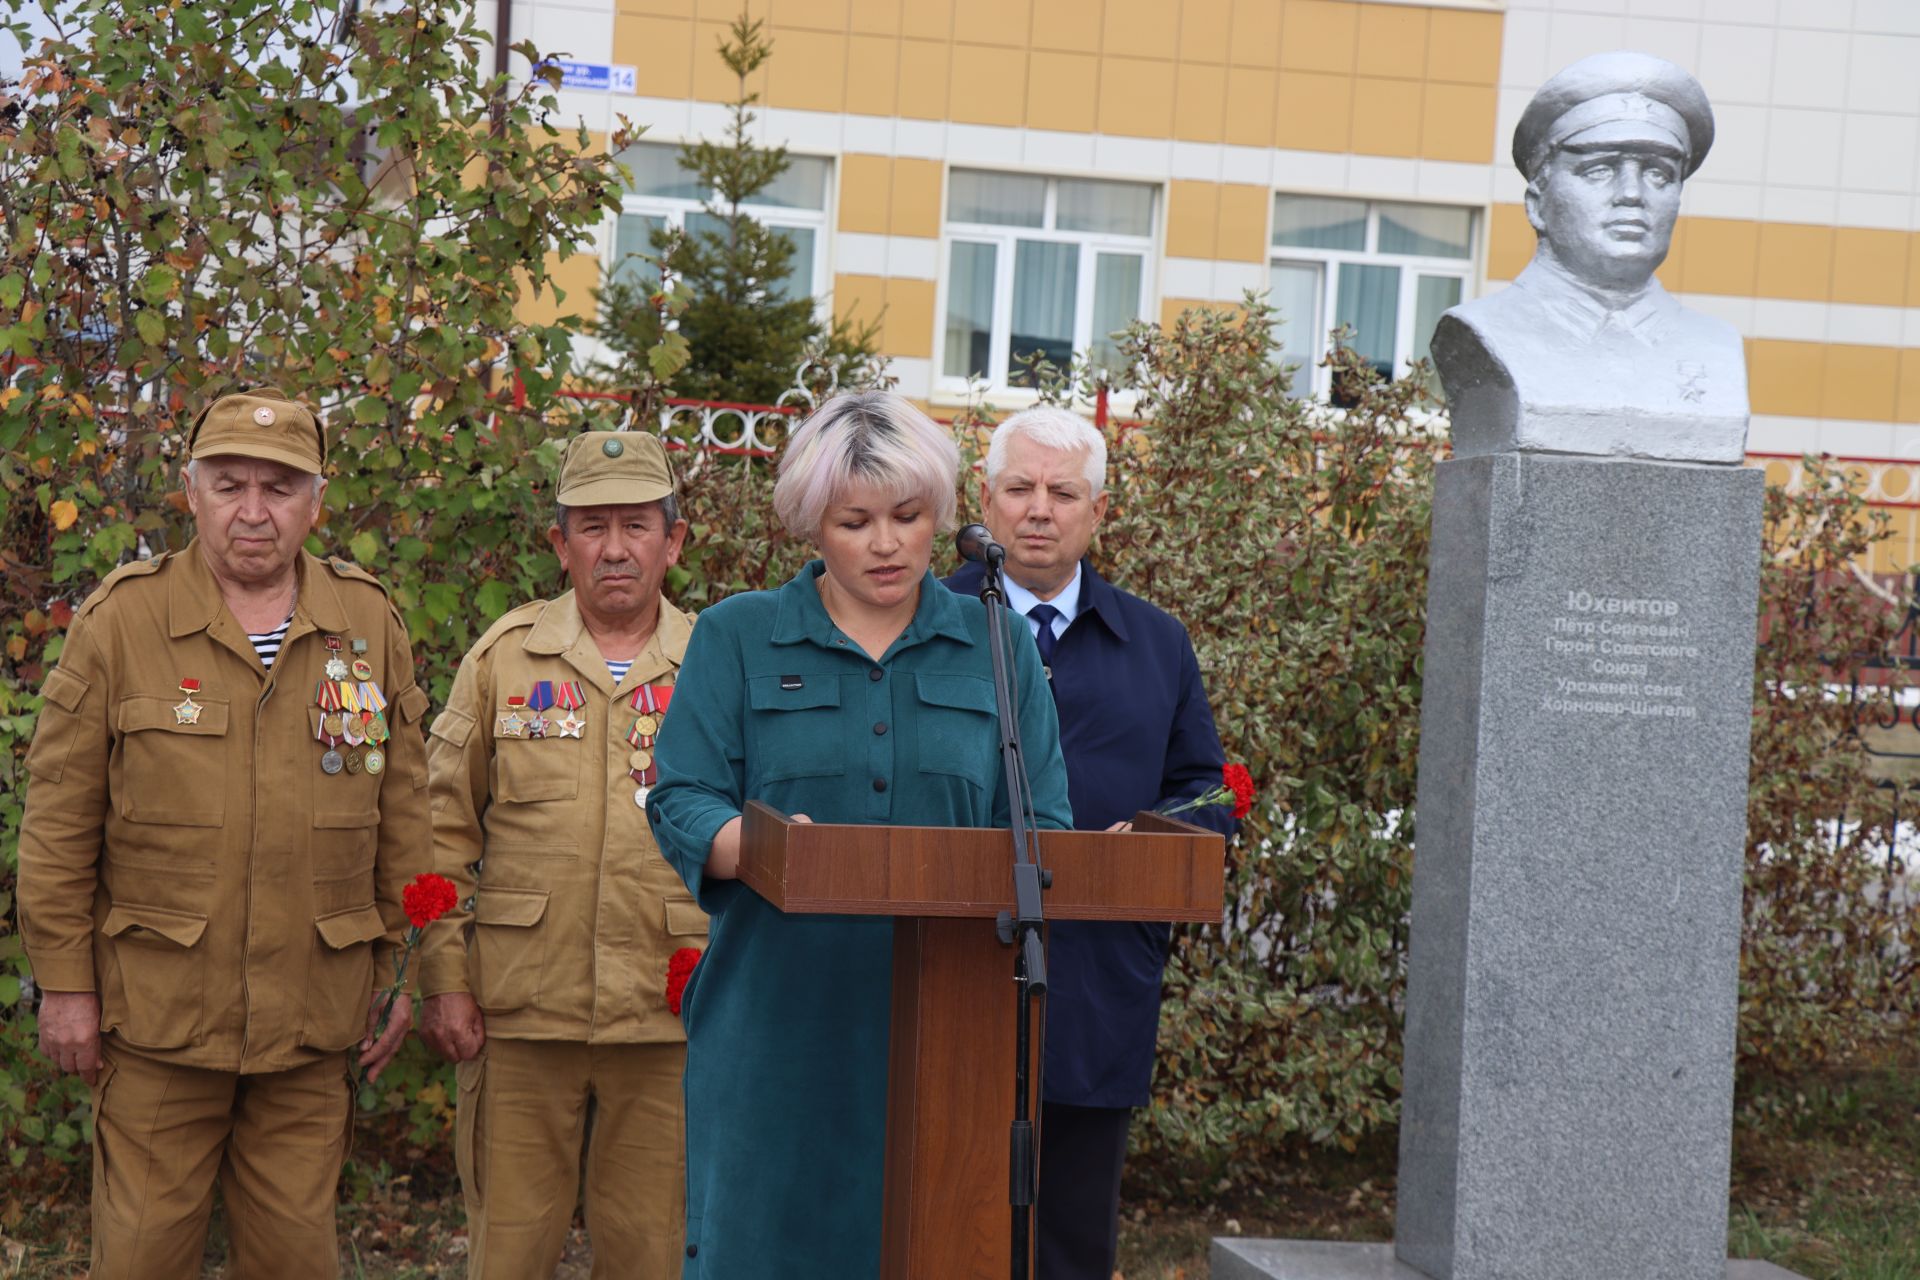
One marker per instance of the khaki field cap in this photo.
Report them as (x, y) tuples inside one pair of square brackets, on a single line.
[(261, 423), (614, 468), (1616, 99)]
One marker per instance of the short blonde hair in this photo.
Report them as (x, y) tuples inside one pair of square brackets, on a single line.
[(1051, 427), (870, 437)]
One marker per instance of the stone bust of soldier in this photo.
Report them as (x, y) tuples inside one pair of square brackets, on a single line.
[(1586, 352)]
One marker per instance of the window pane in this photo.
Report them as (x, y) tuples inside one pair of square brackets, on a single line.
[(799, 283), (1429, 231), (969, 342), (1116, 303), (1045, 281), (802, 186), (657, 172), (1432, 296), (1313, 222), (1369, 300), (633, 236), (1294, 290), (1110, 208), (1014, 200)]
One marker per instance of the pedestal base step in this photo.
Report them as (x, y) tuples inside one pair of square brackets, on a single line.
[(1324, 1260)]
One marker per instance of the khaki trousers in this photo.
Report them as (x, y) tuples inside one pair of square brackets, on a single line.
[(162, 1136), (529, 1111)]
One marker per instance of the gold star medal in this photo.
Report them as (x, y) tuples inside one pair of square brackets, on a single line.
[(188, 711)]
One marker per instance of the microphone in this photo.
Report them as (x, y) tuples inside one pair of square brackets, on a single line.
[(977, 544)]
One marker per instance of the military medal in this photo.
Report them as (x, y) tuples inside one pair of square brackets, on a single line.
[(651, 702), (336, 668), (351, 722), (372, 704), (332, 726), (362, 669), (538, 701), (511, 725), (354, 763), (570, 697), (374, 760), (188, 711)]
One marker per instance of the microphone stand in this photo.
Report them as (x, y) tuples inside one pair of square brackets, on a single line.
[(1020, 928)]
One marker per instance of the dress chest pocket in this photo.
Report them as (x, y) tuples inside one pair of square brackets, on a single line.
[(794, 728), (172, 760), (959, 719)]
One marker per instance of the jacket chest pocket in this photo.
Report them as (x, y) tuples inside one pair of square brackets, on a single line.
[(531, 770), (795, 728), (171, 772), (959, 722)]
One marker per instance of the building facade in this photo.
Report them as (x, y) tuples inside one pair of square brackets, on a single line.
[(985, 177)]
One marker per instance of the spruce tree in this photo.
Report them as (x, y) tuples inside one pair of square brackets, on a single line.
[(744, 337)]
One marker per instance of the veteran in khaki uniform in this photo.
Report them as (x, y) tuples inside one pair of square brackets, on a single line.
[(209, 908), (551, 993)]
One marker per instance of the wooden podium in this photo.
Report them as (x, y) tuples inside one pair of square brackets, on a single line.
[(950, 1072)]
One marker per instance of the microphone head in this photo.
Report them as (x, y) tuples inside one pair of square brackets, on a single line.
[(975, 542)]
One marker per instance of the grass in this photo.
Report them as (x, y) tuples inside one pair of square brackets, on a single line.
[(1836, 1197)]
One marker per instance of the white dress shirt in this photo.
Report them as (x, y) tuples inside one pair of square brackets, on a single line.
[(1019, 599)]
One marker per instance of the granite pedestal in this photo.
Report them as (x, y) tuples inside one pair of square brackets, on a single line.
[(1314, 1260), (1573, 987), (1573, 969)]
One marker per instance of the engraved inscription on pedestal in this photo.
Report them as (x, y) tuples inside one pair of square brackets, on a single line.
[(1622, 656)]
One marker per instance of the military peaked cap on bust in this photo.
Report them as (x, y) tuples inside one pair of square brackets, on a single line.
[(614, 468), (261, 423), (1616, 98)]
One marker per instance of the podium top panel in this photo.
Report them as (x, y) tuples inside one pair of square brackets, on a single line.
[(1164, 869)]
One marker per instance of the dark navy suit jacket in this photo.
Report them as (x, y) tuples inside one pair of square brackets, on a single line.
[(1137, 733)]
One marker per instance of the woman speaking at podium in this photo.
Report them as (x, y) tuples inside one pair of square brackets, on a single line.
[(860, 692)]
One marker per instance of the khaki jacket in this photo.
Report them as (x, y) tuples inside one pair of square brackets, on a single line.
[(224, 896), (575, 913)]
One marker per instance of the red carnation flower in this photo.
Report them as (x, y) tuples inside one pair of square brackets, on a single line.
[(680, 968), (1235, 788), (1237, 780), (428, 898)]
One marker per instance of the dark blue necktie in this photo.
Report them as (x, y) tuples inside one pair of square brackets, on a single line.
[(1044, 614)]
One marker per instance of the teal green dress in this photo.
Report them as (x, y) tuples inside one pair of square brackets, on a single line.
[(787, 1016)]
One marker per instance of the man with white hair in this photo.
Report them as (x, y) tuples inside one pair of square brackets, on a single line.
[(1137, 733)]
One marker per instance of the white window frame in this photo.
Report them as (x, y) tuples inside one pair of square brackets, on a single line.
[(776, 216), (1005, 240), (1311, 378)]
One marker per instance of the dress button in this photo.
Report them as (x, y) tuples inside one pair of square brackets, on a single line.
[(879, 784), (693, 1251), (880, 728), (874, 673)]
